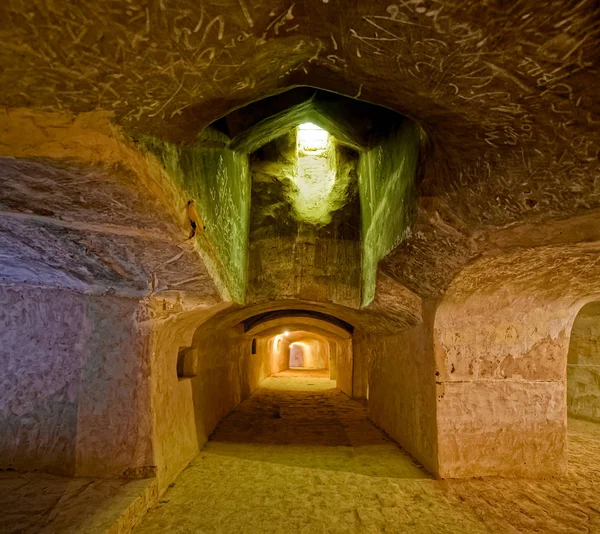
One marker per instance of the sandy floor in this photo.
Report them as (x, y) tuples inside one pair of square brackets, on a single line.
[(35, 502), (299, 456)]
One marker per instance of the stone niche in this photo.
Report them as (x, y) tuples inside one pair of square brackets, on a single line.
[(187, 362), (304, 243)]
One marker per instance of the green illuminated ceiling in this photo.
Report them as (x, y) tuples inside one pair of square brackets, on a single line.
[(215, 174)]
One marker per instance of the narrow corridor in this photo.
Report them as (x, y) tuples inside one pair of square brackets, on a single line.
[(300, 456)]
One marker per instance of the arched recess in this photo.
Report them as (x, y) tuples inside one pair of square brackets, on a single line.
[(501, 340), (583, 365), (327, 333), (185, 410), (312, 351), (360, 212)]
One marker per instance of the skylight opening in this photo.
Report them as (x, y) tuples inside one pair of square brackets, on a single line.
[(315, 174), (311, 138)]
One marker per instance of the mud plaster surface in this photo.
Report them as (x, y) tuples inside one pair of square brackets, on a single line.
[(299, 456)]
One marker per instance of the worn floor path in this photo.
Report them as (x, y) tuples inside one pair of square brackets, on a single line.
[(299, 456), (32, 503)]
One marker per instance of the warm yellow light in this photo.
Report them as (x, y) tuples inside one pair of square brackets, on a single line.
[(286, 333)]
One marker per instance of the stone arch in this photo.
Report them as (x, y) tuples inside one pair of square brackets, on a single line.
[(336, 339), (583, 364), (501, 340)]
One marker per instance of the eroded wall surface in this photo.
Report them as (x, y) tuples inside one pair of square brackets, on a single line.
[(501, 339), (74, 395), (502, 395), (583, 369), (41, 351), (388, 194), (218, 181)]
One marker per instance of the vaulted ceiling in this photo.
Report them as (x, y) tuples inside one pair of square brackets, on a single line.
[(505, 93)]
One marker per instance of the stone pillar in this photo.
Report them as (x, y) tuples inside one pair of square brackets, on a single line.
[(501, 396), (74, 396)]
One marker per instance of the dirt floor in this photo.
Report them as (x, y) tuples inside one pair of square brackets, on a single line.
[(36, 502), (299, 456)]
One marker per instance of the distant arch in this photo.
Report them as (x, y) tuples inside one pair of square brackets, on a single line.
[(583, 365)]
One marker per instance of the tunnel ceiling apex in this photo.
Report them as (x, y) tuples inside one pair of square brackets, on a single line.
[(352, 122), (291, 314)]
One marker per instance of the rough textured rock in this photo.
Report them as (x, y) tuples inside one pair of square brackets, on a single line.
[(401, 386), (295, 258), (135, 223), (82, 208), (583, 370), (510, 118), (74, 368), (501, 342), (218, 182), (388, 195), (36, 502)]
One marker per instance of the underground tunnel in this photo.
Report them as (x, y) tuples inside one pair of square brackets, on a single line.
[(299, 267)]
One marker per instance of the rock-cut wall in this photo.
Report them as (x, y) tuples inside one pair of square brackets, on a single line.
[(388, 195), (290, 257), (401, 386), (186, 410), (583, 369), (73, 398), (218, 181)]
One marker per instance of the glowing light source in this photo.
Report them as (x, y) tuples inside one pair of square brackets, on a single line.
[(286, 333), (311, 138), (315, 174)]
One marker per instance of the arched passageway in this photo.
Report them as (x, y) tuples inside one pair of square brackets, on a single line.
[(408, 190), (229, 356), (583, 365)]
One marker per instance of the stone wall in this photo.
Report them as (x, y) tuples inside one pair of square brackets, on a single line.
[(315, 353), (333, 359), (388, 196), (113, 420), (583, 369), (186, 410), (40, 353), (218, 181), (74, 395), (294, 258), (502, 398), (501, 340), (345, 365), (401, 387)]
